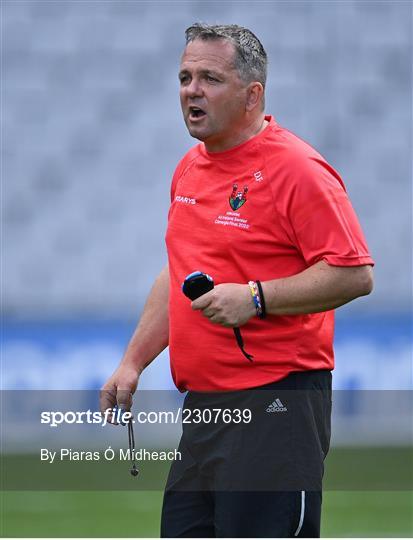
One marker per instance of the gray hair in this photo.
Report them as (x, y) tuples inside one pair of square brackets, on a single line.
[(250, 56)]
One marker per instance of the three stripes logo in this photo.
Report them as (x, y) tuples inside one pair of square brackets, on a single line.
[(276, 406)]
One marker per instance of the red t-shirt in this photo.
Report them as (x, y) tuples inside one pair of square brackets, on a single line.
[(266, 209)]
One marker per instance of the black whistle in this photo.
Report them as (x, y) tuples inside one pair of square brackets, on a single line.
[(197, 284)]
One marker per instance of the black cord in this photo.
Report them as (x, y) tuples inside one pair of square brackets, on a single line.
[(240, 342), (134, 470)]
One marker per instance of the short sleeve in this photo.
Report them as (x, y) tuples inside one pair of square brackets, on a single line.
[(182, 168), (175, 179), (323, 222)]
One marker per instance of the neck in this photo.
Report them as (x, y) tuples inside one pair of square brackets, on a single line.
[(237, 137)]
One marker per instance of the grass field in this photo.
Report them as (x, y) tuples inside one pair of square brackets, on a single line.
[(137, 514), (367, 493)]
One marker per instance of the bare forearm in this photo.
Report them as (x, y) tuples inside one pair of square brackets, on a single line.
[(318, 288), (151, 335)]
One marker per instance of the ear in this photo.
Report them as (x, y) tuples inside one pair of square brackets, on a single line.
[(255, 93)]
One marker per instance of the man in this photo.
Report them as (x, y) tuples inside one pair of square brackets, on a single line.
[(262, 213)]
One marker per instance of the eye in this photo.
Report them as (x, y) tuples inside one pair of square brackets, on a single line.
[(183, 79), (210, 78)]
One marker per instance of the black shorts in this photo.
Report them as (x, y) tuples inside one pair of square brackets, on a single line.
[(252, 461)]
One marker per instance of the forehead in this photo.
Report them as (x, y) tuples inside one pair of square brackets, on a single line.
[(212, 54)]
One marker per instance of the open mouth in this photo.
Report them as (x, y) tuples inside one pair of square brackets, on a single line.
[(195, 113)]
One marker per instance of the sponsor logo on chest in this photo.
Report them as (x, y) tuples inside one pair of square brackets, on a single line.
[(185, 200)]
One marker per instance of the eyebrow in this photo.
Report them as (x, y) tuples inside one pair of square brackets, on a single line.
[(202, 72)]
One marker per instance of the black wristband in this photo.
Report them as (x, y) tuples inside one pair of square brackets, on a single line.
[(264, 311)]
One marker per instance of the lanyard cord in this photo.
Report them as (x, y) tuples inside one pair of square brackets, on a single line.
[(134, 470), (240, 342)]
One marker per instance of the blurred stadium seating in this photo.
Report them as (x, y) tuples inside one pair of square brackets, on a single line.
[(92, 132)]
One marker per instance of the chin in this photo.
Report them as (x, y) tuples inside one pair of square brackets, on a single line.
[(197, 134)]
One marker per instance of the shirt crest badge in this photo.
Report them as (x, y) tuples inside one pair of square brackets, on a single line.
[(237, 198)]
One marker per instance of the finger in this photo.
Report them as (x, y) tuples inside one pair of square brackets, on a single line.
[(209, 312), (221, 320), (124, 399), (107, 398), (216, 319), (203, 301)]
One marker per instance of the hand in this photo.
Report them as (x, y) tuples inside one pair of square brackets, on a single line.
[(119, 388), (228, 304)]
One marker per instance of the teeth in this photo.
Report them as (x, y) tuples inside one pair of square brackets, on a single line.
[(196, 111)]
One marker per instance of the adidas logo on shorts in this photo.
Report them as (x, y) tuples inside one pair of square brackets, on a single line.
[(276, 406)]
